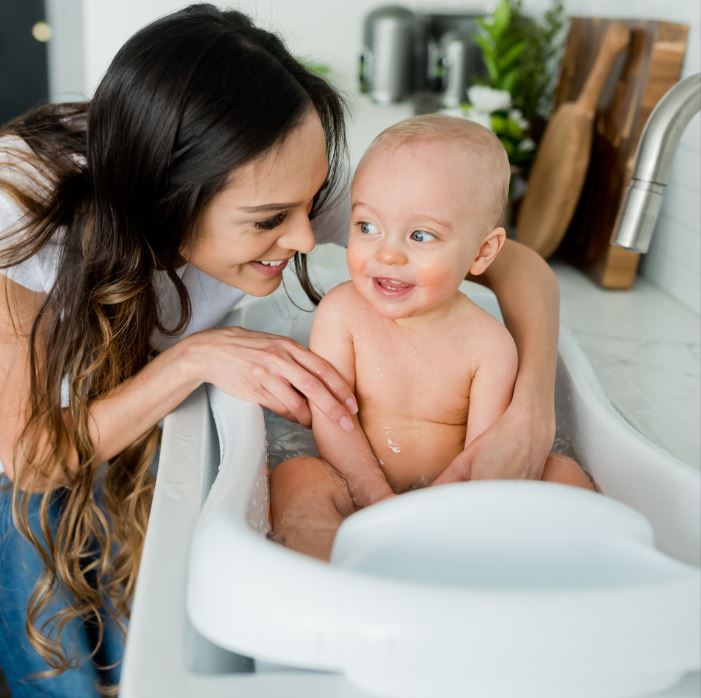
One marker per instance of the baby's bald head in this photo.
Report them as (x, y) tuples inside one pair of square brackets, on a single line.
[(485, 160)]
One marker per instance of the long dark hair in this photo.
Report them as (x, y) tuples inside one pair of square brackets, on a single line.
[(123, 178)]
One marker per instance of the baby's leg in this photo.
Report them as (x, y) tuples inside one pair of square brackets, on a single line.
[(309, 500), (563, 469)]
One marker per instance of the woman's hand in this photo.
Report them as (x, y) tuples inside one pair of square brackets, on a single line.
[(274, 371), (515, 447)]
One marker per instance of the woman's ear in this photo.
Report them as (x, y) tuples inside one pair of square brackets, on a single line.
[(488, 250)]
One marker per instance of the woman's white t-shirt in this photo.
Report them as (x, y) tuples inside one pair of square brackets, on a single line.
[(210, 299)]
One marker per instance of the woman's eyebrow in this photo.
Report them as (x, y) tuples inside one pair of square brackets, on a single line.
[(270, 207)]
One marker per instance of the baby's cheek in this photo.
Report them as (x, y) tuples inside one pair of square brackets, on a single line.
[(435, 277), (356, 262)]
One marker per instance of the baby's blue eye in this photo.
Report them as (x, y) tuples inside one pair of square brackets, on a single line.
[(422, 236), (367, 228)]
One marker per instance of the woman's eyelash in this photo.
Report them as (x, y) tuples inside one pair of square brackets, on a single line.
[(270, 223)]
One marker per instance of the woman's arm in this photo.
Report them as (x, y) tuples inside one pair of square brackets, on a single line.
[(273, 371), (517, 445)]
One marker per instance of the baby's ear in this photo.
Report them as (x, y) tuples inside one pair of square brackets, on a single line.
[(488, 250)]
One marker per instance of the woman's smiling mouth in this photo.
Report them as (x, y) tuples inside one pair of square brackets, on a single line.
[(269, 267)]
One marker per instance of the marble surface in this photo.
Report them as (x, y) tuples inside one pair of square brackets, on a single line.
[(645, 349), (643, 345)]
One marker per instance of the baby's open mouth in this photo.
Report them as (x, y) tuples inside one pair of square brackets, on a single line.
[(392, 288)]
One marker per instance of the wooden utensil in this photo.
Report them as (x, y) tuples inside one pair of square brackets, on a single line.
[(653, 63), (560, 166)]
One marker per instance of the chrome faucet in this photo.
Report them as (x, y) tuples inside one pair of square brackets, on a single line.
[(641, 205)]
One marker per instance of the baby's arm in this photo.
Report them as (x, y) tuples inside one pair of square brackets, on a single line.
[(491, 390), (348, 452)]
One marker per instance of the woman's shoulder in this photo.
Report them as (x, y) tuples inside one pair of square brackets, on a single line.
[(10, 144), (20, 174), (20, 168), (15, 155)]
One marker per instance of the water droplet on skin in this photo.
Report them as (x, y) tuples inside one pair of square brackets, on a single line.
[(393, 445)]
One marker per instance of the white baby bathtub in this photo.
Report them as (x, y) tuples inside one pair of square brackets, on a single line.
[(480, 589)]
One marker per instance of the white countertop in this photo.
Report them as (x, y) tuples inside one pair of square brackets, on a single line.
[(645, 349), (644, 346)]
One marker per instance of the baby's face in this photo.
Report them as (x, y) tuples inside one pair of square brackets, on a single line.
[(416, 226)]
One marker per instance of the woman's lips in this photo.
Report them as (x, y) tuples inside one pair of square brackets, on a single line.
[(268, 269), (392, 288)]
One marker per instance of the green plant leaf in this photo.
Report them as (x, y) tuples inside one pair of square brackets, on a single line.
[(514, 130), (511, 56), (487, 27), (502, 18), (492, 70), (485, 45), (498, 124), (508, 81)]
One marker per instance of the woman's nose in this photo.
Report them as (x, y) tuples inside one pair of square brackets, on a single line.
[(389, 253), (299, 236)]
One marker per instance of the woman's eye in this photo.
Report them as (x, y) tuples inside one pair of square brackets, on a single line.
[(270, 223), (367, 228), (422, 236)]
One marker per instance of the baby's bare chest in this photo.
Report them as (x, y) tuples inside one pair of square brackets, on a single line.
[(421, 376)]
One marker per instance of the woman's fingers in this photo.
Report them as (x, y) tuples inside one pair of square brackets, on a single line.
[(457, 471), (315, 390), (286, 401), (330, 377), (255, 365)]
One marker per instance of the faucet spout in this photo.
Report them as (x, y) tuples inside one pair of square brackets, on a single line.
[(642, 201)]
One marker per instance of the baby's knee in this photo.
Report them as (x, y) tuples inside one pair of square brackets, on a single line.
[(566, 470), (292, 473), (308, 482)]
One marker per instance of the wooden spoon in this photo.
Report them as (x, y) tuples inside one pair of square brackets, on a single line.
[(561, 163)]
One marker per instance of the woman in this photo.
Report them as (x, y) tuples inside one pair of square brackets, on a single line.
[(129, 226)]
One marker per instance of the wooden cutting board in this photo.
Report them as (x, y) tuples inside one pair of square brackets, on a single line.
[(558, 172), (648, 67)]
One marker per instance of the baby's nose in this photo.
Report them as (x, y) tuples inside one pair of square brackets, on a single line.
[(391, 254)]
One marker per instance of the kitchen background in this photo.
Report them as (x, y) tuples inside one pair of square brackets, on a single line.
[(644, 344), (87, 35)]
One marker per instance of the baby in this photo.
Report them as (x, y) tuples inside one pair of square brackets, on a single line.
[(431, 370)]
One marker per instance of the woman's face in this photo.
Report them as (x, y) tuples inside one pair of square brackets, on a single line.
[(248, 231)]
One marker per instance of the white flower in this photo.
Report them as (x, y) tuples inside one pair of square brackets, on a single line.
[(480, 117), (454, 111), (517, 116), (487, 99), (526, 145)]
